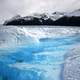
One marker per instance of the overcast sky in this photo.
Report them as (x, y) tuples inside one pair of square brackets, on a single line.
[(10, 8)]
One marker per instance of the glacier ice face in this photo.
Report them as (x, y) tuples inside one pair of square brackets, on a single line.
[(72, 65), (35, 53), (14, 36)]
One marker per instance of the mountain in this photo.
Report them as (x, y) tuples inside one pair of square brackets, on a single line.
[(56, 18), (68, 21), (35, 19)]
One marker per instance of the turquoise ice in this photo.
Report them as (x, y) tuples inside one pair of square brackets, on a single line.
[(35, 53)]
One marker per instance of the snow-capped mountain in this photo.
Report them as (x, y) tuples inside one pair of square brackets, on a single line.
[(56, 18), (56, 15), (38, 19)]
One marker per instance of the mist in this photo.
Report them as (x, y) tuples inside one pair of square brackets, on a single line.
[(10, 8)]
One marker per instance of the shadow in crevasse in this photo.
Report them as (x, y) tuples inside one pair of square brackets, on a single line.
[(3, 78)]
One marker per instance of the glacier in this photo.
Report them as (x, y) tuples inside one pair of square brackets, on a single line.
[(37, 53)]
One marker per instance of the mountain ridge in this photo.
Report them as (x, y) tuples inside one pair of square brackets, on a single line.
[(56, 18)]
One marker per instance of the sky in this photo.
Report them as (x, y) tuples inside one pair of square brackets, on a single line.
[(10, 8)]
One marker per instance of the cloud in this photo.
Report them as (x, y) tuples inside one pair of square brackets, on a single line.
[(9, 8)]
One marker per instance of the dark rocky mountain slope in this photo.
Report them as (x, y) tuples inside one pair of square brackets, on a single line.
[(57, 18)]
